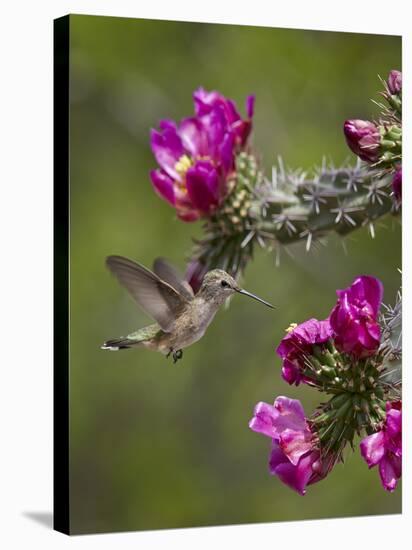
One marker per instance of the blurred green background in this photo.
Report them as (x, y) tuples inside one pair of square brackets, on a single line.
[(157, 445)]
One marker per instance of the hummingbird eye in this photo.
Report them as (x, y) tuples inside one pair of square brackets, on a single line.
[(224, 284)]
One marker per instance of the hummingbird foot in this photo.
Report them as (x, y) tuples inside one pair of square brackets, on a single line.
[(178, 354)]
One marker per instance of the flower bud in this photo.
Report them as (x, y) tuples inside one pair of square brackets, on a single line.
[(363, 138), (395, 82)]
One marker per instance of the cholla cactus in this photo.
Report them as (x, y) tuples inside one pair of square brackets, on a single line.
[(348, 357)]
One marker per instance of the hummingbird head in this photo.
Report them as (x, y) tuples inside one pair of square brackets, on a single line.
[(218, 285)]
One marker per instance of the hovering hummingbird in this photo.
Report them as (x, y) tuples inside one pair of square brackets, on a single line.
[(181, 317)]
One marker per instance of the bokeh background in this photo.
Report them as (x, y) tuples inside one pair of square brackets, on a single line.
[(156, 445)]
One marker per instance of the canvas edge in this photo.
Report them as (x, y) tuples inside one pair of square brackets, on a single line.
[(61, 485)]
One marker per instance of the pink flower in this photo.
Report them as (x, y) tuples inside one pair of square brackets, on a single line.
[(298, 344), (354, 318), (294, 457), (196, 156), (384, 448), (363, 138)]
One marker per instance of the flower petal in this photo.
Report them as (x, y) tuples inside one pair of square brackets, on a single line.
[(167, 149), (390, 471), (295, 443), (202, 185), (354, 318), (263, 419), (163, 185), (193, 136), (250, 105), (313, 331), (369, 289), (167, 124), (291, 373), (296, 477), (372, 448), (184, 207), (216, 128), (393, 427), (204, 101), (290, 414), (226, 152), (368, 335), (285, 414)]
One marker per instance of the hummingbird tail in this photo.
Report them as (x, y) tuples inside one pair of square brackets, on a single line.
[(118, 343)]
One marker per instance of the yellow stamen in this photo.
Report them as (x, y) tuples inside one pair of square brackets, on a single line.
[(183, 165), (291, 327)]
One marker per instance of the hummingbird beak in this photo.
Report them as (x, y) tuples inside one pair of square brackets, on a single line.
[(246, 293)]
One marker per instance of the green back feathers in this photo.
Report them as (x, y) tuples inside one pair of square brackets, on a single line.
[(145, 333)]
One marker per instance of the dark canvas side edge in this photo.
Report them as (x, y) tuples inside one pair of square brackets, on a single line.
[(61, 502)]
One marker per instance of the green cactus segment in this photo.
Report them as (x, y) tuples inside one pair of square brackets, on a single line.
[(294, 207), (358, 410), (291, 207)]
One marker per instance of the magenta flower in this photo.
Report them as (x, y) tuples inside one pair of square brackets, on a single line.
[(363, 138), (354, 318), (196, 157), (384, 448), (298, 344), (397, 184), (395, 82), (294, 457)]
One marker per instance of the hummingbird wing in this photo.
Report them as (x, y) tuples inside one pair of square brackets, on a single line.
[(168, 273), (160, 300)]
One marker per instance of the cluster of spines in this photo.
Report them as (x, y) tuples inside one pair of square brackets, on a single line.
[(391, 347), (293, 206)]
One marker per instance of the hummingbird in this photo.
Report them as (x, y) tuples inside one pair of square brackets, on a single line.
[(181, 316)]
